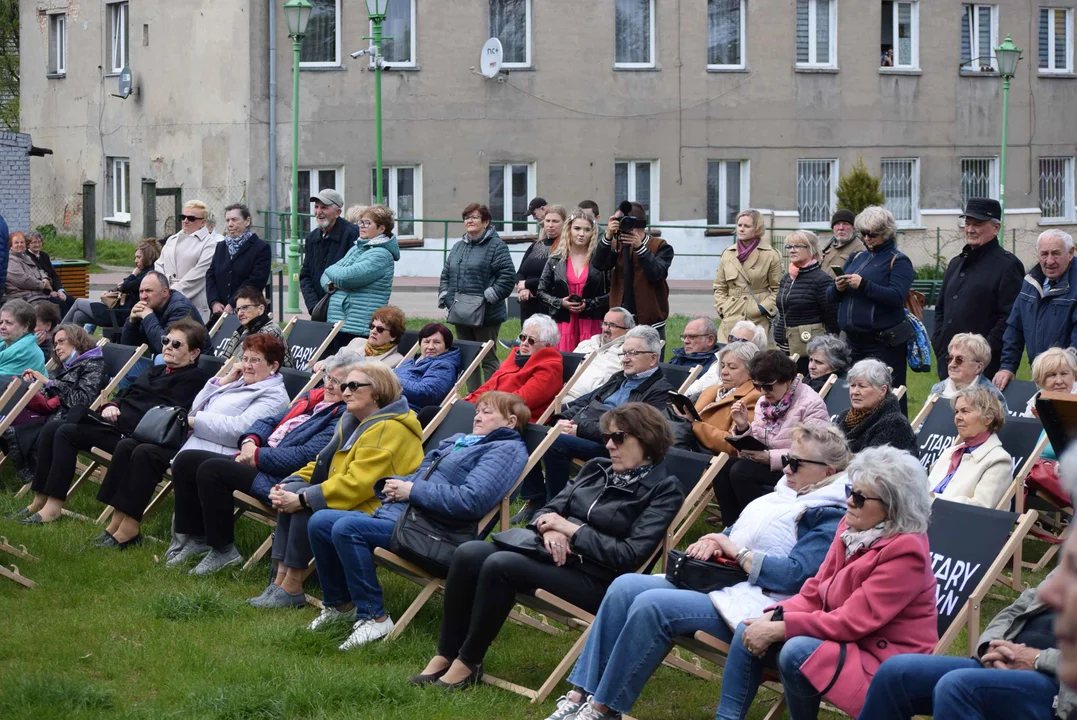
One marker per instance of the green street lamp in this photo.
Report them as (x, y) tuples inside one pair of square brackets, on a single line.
[(1008, 55), (376, 10), (297, 13)]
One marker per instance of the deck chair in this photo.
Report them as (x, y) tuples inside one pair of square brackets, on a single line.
[(836, 399), (538, 439), (213, 364), (297, 382), (409, 341), (578, 370), (308, 340), (1018, 393), (828, 385), (679, 377), (936, 431), (454, 417), (222, 332), (471, 357)]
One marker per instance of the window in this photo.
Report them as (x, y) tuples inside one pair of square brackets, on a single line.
[(57, 44), (979, 37), (634, 33), (510, 22), (725, 34), (979, 178), (901, 188), (1056, 41), (1056, 189), (398, 45), (402, 186), (637, 181), (900, 41), (312, 181), (511, 186), (727, 190), (119, 189), (117, 37), (817, 182), (817, 30), (321, 44)]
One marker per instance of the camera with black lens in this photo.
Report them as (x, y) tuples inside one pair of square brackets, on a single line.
[(630, 223)]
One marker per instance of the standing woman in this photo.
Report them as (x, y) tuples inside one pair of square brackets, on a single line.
[(569, 273), (242, 259), (528, 277), (748, 267), (804, 311), (477, 278), (362, 280), (85, 312)]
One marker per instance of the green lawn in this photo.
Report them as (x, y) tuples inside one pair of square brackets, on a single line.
[(117, 635)]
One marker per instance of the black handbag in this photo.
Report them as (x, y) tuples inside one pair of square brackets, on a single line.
[(688, 573), (527, 542), (320, 311), (163, 425), (467, 310)]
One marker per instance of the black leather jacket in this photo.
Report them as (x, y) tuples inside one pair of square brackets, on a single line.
[(621, 527)]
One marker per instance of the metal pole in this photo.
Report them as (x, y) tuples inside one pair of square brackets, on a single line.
[(1002, 162), (293, 241), (377, 20)]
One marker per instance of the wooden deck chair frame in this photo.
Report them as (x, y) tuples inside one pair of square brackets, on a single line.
[(555, 404), (430, 584), (12, 573), (696, 372), (258, 511), (929, 405), (899, 391), (549, 605), (217, 325), (828, 385), (461, 382)]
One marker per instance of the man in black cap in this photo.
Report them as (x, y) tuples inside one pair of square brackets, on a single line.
[(979, 288), (844, 244), (537, 209), (325, 245)]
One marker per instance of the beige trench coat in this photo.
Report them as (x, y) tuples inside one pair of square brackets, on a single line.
[(763, 268)]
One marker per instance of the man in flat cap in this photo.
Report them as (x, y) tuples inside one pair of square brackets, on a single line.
[(325, 245)]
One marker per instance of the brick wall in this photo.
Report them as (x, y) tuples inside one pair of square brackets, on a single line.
[(15, 179)]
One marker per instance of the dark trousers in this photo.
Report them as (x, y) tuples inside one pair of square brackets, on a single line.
[(132, 477), (481, 590), (203, 482), (740, 482), (867, 345), (57, 453), (490, 363)]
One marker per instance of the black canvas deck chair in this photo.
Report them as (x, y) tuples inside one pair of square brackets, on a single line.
[(308, 340)]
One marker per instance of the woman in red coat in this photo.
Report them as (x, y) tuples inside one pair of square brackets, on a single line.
[(532, 370), (874, 597)]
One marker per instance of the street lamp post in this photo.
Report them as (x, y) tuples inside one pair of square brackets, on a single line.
[(297, 13), (376, 10), (1008, 55)]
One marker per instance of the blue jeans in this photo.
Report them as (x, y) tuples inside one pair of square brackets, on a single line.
[(343, 542), (558, 463), (955, 687), (743, 671), (633, 631), (141, 365)]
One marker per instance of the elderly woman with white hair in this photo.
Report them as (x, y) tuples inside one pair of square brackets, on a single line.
[(873, 597), (966, 357), (976, 470), (874, 416), (804, 310), (827, 355), (715, 404), (1055, 370), (743, 331), (532, 370)]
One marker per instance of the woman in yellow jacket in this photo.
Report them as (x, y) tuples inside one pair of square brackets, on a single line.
[(378, 437), (749, 262)]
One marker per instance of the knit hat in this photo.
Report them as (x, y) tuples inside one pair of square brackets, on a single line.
[(843, 216)]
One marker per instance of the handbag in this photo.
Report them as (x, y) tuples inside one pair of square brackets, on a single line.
[(762, 310), (527, 542), (797, 337), (111, 298), (320, 311), (163, 425), (688, 573), (468, 310)]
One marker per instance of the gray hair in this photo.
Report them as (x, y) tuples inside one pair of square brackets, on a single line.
[(34, 234), (760, 332), (161, 278), (345, 359), (1065, 237), (828, 440), (872, 370), (837, 352), (900, 481), (985, 402), (709, 328), (545, 329), (876, 220), (651, 340), (627, 318), (744, 351)]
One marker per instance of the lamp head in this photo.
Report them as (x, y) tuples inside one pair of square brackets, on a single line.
[(297, 13), (1008, 56), (377, 8)]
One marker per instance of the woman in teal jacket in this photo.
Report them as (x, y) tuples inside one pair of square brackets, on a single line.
[(19, 351), (363, 278)]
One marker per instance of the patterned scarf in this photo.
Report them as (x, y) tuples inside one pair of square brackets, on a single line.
[(467, 441), (743, 251), (371, 351), (857, 540), (773, 414), (627, 478), (234, 244), (856, 415)]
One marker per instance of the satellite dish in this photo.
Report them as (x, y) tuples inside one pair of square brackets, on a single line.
[(491, 58), (125, 83)]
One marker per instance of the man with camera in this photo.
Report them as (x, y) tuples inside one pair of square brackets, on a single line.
[(638, 264)]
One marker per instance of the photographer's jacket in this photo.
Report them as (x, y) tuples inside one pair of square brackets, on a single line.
[(638, 279)]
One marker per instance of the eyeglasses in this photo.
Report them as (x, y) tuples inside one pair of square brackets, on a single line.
[(796, 247), (958, 360), (175, 344), (634, 353), (617, 437), (56, 340), (374, 327), (525, 338), (686, 336), (476, 218), (354, 386), (610, 326), (191, 218), (794, 462), (244, 308), (331, 381), (251, 359), (764, 387), (860, 498), (366, 223)]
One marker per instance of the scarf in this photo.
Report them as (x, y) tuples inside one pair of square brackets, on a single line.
[(723, 394), (743, 251), (857, 540), (957, 455), (371, 351), (817, 486), (234, 244), (627, 478), (467, 441), (794, 270), (856, 415), (291, 424), (773, 414)]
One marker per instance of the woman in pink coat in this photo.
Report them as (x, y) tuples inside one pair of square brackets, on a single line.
[(786, 403), (874, 597)]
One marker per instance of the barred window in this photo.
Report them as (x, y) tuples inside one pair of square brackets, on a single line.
[(901, 188), (1056, 188), (979, 179), (817, 182)]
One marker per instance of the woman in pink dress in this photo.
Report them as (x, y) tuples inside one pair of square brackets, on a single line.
[(577, 294)]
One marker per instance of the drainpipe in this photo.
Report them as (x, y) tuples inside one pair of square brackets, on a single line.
[(272, 223)]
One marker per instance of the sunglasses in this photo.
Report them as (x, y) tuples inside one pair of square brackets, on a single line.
[(617, 437), (957, 360), (872, 235), (735, 339), (190, 218), (353, 386), (525, 338), (794, 462), (860, 498), (175, 344), (763, 387), (377, 328)]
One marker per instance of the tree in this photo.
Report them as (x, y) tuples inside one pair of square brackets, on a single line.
[(9, 64), (859, 189)]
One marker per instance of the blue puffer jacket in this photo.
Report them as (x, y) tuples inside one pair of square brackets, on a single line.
[(1041, 320), (879, 303), (364, 281), (429, 381)]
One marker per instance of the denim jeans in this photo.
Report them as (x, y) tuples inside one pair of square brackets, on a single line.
[(632, 633), (743, 671), (343, 542), (558, 464), (955, 687), (141, 365)]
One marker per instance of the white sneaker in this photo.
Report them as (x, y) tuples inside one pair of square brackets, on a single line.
[(193, 549), (330, 615), (566, 709), (366, 631)]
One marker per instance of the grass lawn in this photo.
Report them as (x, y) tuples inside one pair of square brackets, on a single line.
[(117, 635)]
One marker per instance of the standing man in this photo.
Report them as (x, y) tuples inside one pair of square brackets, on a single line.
[(1045, 312), (844, 244), (325, 245), (979, 287), (188, 254), (537, 209)]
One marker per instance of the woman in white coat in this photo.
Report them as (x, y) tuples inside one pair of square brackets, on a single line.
[(977, 470), (187, 255)]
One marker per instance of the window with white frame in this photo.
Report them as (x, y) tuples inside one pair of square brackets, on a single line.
[(511, 187), (634, 33), (900, 40), (312, 181), (117, 37), (402, 185), (1056, 40), (901, 188), (725, 34), (637, 181), (817, 30), (979, 38), (727, 190), (321, 44), (398, 47), (817, 184), (1056, 189), (57, 44), (119, 189), (979, 178), (510, 22)]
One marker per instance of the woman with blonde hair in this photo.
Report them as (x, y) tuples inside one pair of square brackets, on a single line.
[(804, 311), (577, 294), (749, 273), (976, 470), (966, 357), (529, 275)]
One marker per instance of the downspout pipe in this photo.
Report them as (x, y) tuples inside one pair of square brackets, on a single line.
[(272, 223)]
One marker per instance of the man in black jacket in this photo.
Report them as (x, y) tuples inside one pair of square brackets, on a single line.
[(325, 245), (979, 288)]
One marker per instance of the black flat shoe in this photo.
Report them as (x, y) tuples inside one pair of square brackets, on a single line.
[(34, 519), (106, 542), (136, 540), (16, 515), (472, 679), (428, 679), (103, 535)]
